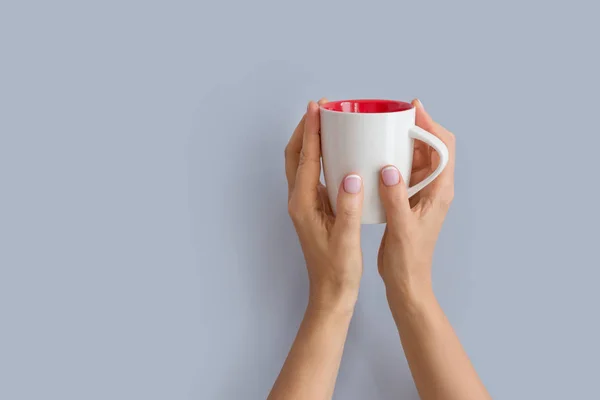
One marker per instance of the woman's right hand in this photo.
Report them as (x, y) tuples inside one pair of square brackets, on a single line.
[(413, 226), (438, 363)]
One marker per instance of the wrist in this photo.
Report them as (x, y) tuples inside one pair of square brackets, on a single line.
[(407, 296), (408, 284), (336, 299), (422, 310)]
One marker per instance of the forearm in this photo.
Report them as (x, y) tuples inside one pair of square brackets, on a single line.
[(440, 367), (311, 368)]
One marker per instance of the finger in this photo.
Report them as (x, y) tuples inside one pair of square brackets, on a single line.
[(422, 117), (445, 181), (421, 156), (349, 210), (394, 197), (422, 151), (292, 153), (323, 101), (425, 121), (309, 164)]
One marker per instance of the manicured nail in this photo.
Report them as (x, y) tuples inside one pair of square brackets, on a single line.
[(352, 184), (390, 176)]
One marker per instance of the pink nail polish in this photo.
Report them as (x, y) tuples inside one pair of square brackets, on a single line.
[(352, 184), (390, 176)]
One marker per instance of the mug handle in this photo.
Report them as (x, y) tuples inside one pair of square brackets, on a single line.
[(421, 134)]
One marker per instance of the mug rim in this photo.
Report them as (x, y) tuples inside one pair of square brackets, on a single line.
[(400, 106)]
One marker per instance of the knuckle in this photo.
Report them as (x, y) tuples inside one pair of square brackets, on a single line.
[(292, 209), (349, 213), (290, 151), (398, 197), (391, 206), (305, 158), (450, 139), (425, 206), (395, 199), (295, 211), (446, 197)]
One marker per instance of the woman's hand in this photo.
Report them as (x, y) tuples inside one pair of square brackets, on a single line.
[(331, 244), (438, 363), (413, 226)]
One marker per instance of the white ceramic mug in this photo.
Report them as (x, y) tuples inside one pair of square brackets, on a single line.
[(363, 136)]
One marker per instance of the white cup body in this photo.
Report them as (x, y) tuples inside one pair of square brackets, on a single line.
[(364, 143)]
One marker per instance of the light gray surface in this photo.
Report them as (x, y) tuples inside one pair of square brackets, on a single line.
[(145, 249)]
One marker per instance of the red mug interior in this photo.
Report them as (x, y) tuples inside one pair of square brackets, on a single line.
[(367, 106)]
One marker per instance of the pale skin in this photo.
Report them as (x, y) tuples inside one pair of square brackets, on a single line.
[(331, 245)]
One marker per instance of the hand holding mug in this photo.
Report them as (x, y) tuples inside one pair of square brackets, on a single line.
[(331, 243), (413, 225)]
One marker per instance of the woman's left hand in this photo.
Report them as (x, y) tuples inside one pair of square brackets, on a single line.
[(331, 244)]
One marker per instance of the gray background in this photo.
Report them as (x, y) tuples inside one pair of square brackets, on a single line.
[(146, 251)]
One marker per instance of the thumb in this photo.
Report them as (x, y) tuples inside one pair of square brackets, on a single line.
[(394, 196), (349, 209)]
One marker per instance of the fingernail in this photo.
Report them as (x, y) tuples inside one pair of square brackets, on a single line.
[(308, 107), (421, 103), (352, 184), (390, 176)]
